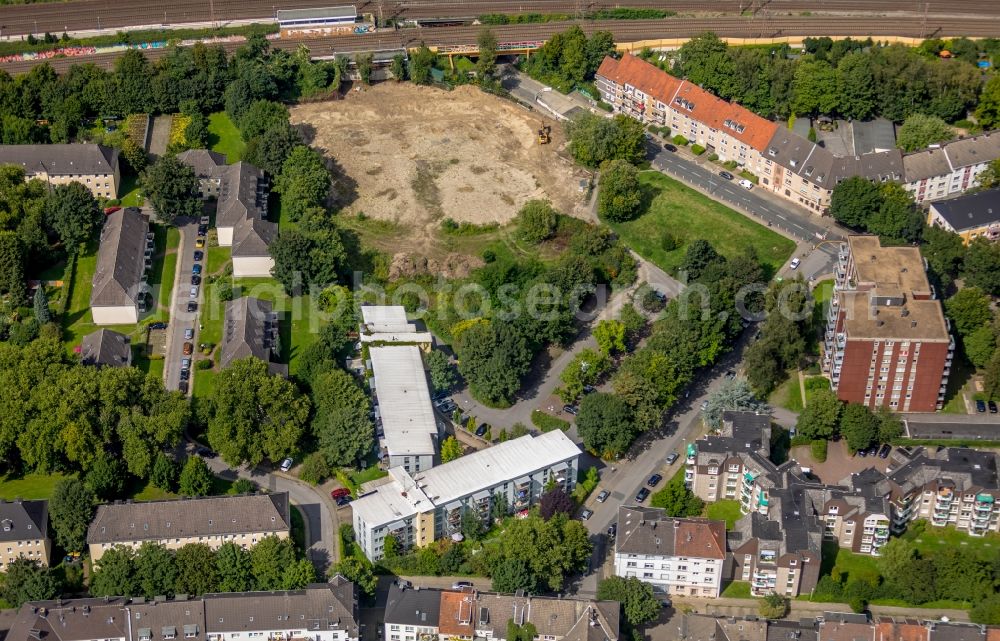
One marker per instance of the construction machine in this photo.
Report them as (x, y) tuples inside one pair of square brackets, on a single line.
[(544, 135)]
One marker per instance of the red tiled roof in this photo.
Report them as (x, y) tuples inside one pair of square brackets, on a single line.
[(457, 610), (700, 538), (708, 109), (900, 631)]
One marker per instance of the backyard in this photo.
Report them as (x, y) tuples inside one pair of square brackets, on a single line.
[(224, 137), (686, 215), (725, 510), (29, 486)]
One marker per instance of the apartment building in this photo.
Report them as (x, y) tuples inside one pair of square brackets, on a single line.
[(950, 168), (320, 612), (858, 519), (887, 342), (106, 348), (124, 256), (424, 506), (251, 329), (24, 531), (208, 166), (430, 614), (214, 520), (683, 557), (406, 427), (971, 216), (94, 166)]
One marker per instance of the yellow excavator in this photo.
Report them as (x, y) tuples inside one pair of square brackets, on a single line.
[(544, 135)]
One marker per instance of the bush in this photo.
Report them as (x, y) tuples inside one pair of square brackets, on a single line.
[(244, 486), (680, 140), (205, 364), (586, 485), (547, 422), (697, 149), (314, 469), (669, 242), (818, 449), (713, 157), (752, 178), (812, 135)]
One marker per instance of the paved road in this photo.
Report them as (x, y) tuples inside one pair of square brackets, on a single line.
[(180, 318)]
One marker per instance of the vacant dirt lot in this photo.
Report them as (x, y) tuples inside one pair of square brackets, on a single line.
[(419, 155)]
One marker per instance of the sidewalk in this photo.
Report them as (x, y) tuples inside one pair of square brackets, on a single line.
[(808, 609)]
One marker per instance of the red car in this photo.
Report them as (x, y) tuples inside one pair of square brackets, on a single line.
[(340, 492), (110, 210)]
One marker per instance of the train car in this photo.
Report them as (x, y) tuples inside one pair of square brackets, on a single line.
[(323, 17)]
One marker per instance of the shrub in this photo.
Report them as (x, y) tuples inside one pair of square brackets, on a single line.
[(752, 178), (669, 242), (314, 469), (812, 135), (586, 484), (205, 364), (244, 486), (547, 422), (818, 449), (697, 149), (713, 157), (680, 140)]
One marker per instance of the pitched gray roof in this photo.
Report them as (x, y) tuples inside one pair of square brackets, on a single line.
[(205, 163), (820, 166), (966, 152), (244, 194), (925, 164), (320, 606), (21, 520), (120, 259), (248, 330), (407, 606), (252, 237), (209, 516), (105, 347), (970, 211), (61, 160)]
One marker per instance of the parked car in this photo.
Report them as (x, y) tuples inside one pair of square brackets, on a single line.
[(746, 184), (586, 514), (194, 292), (669, 147), (339, 492), (461, 585), (642, 495), (570, 409), (205, 452), (654, 480), (157, 326), (198, 256), (199, 243), (195, 279), (185, 364), (588, 389), (196, 269), (613, 530), (287, 464), (726, 175), (861, 453), (704, 405), (185, 375), (202, 230), (182, 387), (603, 496), (447, 407), (439, 396), (795, 263), (188, 333), (192, 306), (884, 452), (481, 430), (188, 348), (344, 500), (980, 406), (873, 451), (993, 406), (204, 220), (671, 458)]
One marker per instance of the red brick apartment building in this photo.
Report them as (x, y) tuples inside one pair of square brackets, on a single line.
[(887, 342)]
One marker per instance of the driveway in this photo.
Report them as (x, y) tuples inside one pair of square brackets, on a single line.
[(180, 318), (839, 464)]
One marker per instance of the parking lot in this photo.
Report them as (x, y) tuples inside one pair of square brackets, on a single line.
[(839, 464), (183, 326)]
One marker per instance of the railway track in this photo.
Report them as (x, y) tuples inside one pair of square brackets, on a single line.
[(624, 31), (85, 15)]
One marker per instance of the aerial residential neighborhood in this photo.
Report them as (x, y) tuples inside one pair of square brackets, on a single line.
[(550, 321)]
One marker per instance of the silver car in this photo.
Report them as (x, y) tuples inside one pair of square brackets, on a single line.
[(194, 292)]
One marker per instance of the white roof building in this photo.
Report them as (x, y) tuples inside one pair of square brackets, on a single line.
[(404, 406), (424, 506), (388, 324)]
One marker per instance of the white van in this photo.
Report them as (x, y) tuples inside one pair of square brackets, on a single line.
[(746, 184)]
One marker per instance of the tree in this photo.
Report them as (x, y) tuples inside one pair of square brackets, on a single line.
[(986, 611), (594, 140), (41, 305), (114, 574), (536, 221), (980, 345), (472, 525), (106, 477), (969, 309), (268, 560), (989, 177), (890, 427), (815, 88), (918, 131), (359, 571), (898, 220), (315, 469), (298, 575), (487, 62), (493, 358), (235, 570), (155, 569), (944, 251), (262, 115), (856, 87), (303, 258), (197, 572), (555, 501), (854, 201), (341, 422), (72, 212), (196, 133), (451, 449), (366, 64), (638, 602), (12, 266), (586, 368), (991, 377), (619, 197), (705, 61), (270, 149), (698, 256), (398, 67), (610, 336), (196, 479), (676, 499), (988, 111), (605, 424), (164, 475), (255, 415), (172, 189), (511, 575), (70, 510), (733, 395), (820, 417), (27, 580), (442, 373), (858, 426), (244, 486), (773, 606), (134, 155), (420, 65), (982, 266), (304, 181), (550, 550)]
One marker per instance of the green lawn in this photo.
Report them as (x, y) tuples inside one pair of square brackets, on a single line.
[(130, 192), (150, 492), (726, 510), (298, 529), (353, 479), (931, 540), (845, 562), (788, 394), (687, 215), (151, 367), (164, 271), (224, 137), (29, 486), (737, 590), (78, 320), (216, 259)]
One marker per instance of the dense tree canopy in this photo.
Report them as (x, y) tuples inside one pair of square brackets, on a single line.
[(619, 196), (594, 140), (71, 508), (172, 189), (919, 130), (638, 603), (73, 213), (550, 551), (493, 358), (605, 424), (341, 424), (536, 221)]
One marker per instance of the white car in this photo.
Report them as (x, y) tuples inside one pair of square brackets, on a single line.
[(286, 464), (795, 263), (746, 184), (194, 292)]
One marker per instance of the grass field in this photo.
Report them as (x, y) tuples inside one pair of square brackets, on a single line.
[(845, 562), (725, 510), (224, 137), (164, 271), (788, 394), (29, 486), (737, 590), (931, 540), (78, 320), (688, 215), (130, 192)]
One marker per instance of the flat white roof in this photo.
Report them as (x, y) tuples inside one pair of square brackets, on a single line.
[(386, 319), (326, 12), (401, 337), (463, 477), (404, 399)]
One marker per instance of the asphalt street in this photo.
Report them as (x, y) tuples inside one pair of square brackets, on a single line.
[(180, 318)]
